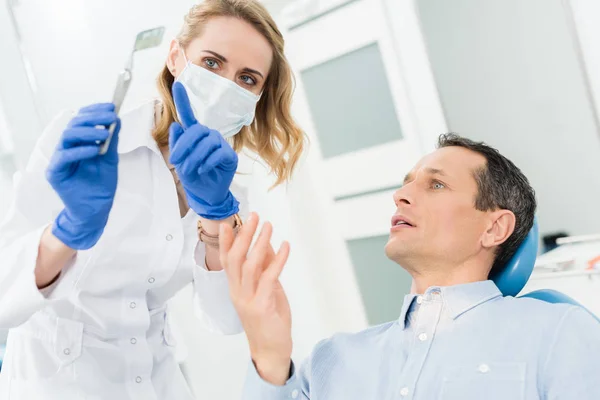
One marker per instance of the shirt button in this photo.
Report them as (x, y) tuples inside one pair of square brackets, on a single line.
[(484, 368), (295, 394), (132, 305), (150, 280), (423, 337), (169, 237), (67, 351), (138, 379), (133, 340), (419, 299), (404, 392)]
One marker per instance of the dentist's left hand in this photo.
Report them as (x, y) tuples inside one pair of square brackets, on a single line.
[(204, 162)]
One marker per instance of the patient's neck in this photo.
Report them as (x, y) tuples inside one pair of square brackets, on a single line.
[(447, 275), (421, 284)]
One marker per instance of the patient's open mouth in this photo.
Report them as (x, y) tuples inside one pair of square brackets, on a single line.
[(399, 220)]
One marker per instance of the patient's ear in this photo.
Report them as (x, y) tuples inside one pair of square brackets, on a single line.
[(501, 226)]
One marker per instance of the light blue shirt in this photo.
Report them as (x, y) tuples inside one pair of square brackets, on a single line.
[(463, 342)]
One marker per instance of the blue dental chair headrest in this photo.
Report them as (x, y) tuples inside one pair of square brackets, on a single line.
[(512, 279)]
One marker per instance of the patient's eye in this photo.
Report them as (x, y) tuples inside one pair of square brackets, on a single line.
[(438, 185)]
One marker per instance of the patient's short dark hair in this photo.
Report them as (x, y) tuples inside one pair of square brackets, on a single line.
[(500, 185)]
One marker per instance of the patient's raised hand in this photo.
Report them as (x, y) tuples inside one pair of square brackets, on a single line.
[(258, 296)]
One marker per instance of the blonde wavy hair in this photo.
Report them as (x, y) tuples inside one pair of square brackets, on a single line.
[(273, 135)]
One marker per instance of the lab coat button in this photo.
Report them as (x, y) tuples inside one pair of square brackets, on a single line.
[(150, 280), (138, 379), (404, 392), (295, 394), (132, 305), (419, 299), (67, 351), (484, 368), (169, 237), (423, 337), (133, 341)]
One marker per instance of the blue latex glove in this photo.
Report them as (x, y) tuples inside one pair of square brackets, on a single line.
[(84, 180), (204, 162)]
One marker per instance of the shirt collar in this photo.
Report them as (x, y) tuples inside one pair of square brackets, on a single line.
[(458, 299), (408, 300), (136, 129)]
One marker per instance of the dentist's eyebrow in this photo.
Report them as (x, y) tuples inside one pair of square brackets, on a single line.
[(220, 57), (253, 71)]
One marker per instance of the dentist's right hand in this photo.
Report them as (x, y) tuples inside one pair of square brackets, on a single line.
[(84, 180), (258, 296)]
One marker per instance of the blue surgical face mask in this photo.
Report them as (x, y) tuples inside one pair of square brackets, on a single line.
[(218, 103)]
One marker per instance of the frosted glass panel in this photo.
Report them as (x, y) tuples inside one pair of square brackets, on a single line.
[(351, 103), (382, 282)]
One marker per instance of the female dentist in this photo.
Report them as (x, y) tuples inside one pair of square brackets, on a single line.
[(94, 246)]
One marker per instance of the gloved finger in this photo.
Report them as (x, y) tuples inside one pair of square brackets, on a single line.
[(99, 107), (175, 132), (183, 106), (187, 142), (83, 135), (76, 154), (229, 160), (62, 161), (93, 119), (220, 158), (199, 153)]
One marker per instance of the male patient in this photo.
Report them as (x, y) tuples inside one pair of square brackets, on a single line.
[(462, 212)]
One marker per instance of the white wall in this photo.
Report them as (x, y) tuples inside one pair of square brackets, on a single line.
[(7, 166), (17, 99), (585, 15), (76, 48)]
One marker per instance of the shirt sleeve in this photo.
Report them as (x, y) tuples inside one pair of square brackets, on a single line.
[(212, 302), (296, 388), (33, 208), (573, 361)]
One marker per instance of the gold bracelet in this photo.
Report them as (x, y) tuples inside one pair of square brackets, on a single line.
[(213, 240)]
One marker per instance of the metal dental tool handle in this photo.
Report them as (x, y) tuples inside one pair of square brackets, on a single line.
[(147, 39), (118, 98)]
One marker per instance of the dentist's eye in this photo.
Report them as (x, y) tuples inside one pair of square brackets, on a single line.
[(248, 80), (211, 63)]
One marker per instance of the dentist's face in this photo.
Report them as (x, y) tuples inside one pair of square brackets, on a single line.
[(231, 48), (438, 221)]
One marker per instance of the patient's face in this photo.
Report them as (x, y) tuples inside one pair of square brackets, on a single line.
[(438, 200)]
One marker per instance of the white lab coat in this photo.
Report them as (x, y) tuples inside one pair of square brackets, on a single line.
[(102, 330)]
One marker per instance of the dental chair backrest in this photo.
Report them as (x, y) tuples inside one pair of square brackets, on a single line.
[(512, 279)]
